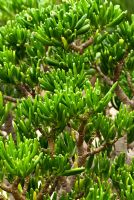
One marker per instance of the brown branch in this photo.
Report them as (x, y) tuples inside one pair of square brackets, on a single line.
[(6, 188), (62, 187), (8, 98), (87, 43), (13, 189), (119, 67), (105, 78), (17, 195), (118, 90), (129, 80), (118, 70), (16, 183), (102, 147), (25, 91), (8, 127), (80, 142), (85, 155), (54, 185), (72, 180), (81, 48), (26, 183), (44, 189), (51, 145), (81, 132), (81, 151), (93, 80), (123, 97)]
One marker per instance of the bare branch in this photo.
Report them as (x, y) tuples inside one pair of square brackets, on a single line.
[(13, 189), (26, 182), (54, 185), (105, 78), (44, 189), (119, 67), (51, 145), (87, 43), (102, 147), (118, 70), (81, 144), (123, 97), (25, 90), (9, 98), (8, 127), (81, 132), (129, 81), (84, 45), (118, 90), (6, 188), (16, 183), (17, 195)]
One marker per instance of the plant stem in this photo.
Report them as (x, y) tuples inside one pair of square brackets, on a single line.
[(84, 45)]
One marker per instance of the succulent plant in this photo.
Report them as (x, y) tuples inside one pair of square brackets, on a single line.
[(62, 63)]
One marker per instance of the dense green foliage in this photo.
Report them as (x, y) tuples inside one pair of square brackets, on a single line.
[(126, 4), (61, 63)]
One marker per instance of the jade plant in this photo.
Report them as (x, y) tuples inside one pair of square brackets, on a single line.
[(62, 64)]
